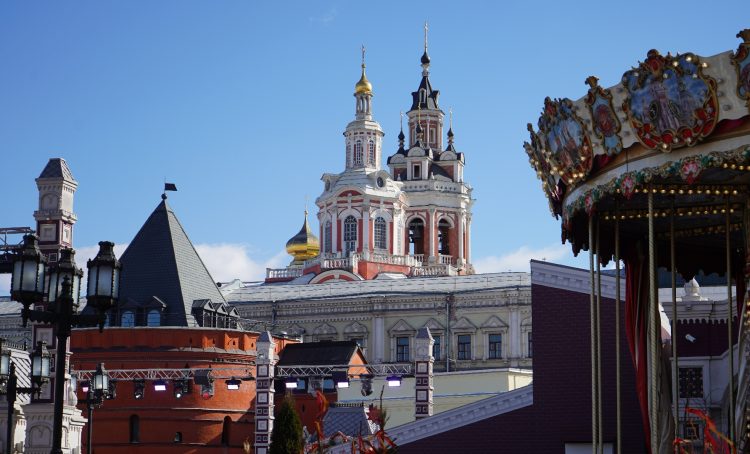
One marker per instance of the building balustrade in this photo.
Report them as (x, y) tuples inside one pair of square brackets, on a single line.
[(434, 270), (283, 273)]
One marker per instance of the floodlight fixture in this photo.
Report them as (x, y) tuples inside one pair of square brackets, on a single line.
[(340, 378), (393, 381), (139, 388), (290, 383), (160, 385), (233, 384)]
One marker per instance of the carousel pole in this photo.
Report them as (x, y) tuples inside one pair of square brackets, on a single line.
[(654, 376), (675, 362), (594, 419), (617, 326), (730, 314), (599, 442)]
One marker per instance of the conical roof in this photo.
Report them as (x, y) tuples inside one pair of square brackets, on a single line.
[(161, 262), (57, 168)]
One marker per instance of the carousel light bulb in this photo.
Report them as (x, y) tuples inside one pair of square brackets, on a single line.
[(689, 58), (681, 191), (704, 65), (742, 167), (734, 192), (733, 166), (675, 64)]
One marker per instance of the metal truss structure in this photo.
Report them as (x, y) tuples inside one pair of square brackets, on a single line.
[(169, 374), (376, 370), (8, 248)]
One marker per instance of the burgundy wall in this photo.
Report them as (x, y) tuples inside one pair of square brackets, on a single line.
[(710, 337), (562, 387)]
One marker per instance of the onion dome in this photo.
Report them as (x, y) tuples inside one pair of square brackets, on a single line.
[(425, 58), (364, 85), (304, 245)]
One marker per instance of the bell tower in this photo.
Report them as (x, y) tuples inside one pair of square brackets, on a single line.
[(55, 217), (363, 135)]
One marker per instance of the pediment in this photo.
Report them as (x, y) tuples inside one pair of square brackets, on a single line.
[(296, 330), (402, 326), (416, 152), (324, 329), (448, 156), (434, 325), (526, 321), (396, 158), (464, 323), (355, 327), (494, 322)]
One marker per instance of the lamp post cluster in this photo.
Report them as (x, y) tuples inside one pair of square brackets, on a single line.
[(33, 283), (40, 362)]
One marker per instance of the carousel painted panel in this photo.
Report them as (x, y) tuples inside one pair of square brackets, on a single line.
[(741, 62), (670, 103), (604, 120), (564, 135)]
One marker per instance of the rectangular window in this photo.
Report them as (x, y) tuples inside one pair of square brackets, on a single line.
[(436, 347), (417, 173), (380, 234), (496, 346), (530, 345), (464, 346), (402, 349), (691, 382)]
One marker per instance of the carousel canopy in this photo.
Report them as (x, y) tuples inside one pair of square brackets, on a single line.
[(676, 127)]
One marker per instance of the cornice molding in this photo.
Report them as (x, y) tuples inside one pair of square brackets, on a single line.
[(572, 279), (464, 415)]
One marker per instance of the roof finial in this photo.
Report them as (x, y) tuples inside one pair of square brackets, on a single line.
[(402, 119), (307, 199), (364, 85), (401, 136), (450, 122), (425, 58)]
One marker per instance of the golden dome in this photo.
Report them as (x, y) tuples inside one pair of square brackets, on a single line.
[(364, 85), (304, 245)]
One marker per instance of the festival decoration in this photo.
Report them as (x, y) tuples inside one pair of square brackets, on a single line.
[(741, 61), (564, 137), (671, 103), (605, 122)]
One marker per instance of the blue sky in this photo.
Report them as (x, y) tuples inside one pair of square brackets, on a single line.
[(242, 105)]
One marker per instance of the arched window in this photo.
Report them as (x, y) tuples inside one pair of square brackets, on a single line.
[(443, 237), (350, 235), (135, 429), (348, 153), (127, 319), (422, 95), (371, 154), (178, 437), (380, 234), (225, 428), (153, 318), (358, 153), (416, 236), (327, 237)]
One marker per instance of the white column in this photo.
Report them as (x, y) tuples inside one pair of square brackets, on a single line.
[(334, 231), (461, 220), (515, 333), (366, 227), (378, 340), (264, 391), (468, 239), (433, 236)]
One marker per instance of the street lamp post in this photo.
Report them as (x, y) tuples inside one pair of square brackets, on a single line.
[(40, 360), (63, 291), (97, 392)]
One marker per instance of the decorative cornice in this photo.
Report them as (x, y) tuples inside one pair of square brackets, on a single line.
[(572, 279), (462, 416)]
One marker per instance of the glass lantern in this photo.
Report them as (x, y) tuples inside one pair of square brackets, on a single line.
[(40, 363), (65, 268), (103, 289), (27, 281)]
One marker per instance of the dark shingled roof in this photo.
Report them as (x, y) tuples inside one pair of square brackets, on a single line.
[(349, 420), (431, 100), (162, 262), (57, 168), (318, 353)]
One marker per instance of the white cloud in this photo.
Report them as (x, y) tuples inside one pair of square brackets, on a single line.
[(325, 18), (226, 261), (518, 260)]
